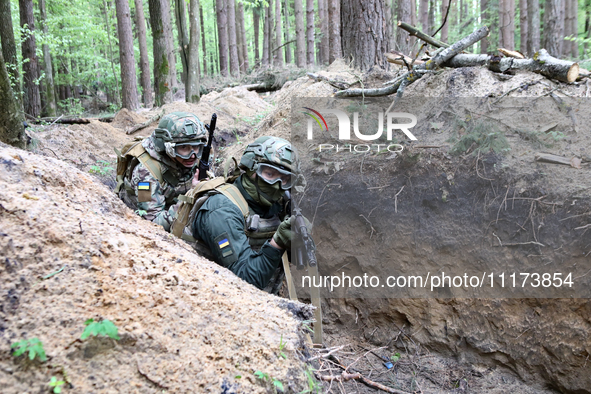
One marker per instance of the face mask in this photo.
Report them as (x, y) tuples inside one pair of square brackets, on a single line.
[(262, 192)]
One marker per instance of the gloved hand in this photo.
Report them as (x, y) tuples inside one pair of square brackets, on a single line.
[(283, 235)]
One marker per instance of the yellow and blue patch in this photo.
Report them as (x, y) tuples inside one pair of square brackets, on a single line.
[(143, 186), (223, 243)]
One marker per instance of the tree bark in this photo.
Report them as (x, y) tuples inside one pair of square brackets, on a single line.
[(413, 21), (243, 36), (445, 28), (111, 58), (533, 24), (267, 37), (403, 15), (239, 39), (334, 27), (222, 20), (570, 48), (287, 32), (146, 83), (51, 105), (364, 39), (523, 18), (170, 47), (162, 77), (256, 18), (310, 32), (554, 26), (192, 85), (234, 64), (9, 48), (485, 16), (507, 24), (12, 131), (300, 36), (278, 61), (180, 13), (126, 57), (32, 98), (203, 46), (424, 16), (324, 34), (587, 26)]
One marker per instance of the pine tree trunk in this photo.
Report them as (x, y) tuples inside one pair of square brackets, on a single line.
[(403, 15), (432, 5), (575, 28), (507, 24), (222, 20), (266, 37), (310, 32), (180, 13), (162, 78), (32, 98), (364, 39), (278, 35), (300, 36), (192, 85), (169, 37), (234, 64), (413, 21), (324, 34), (51, 105), (587, 27), (239, 40), (445, 28), (146, 83), (111, 58), (287, 33), (126, 57), (533, 24), (334, 28), (524, 32), (554, 27), (424, 16), (203, 46), (9, 48), (12, 131), (485, 16), (243, 36), (256, 21)]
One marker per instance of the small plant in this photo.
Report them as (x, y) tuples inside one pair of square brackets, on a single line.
[(140, 212), (103, 327), (56, 384), (480, 137), (34, 346), (313, 385), (395, 357), (277, 384), (281, 346), (101, 167)]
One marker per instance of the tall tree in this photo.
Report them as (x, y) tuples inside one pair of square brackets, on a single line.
[(266, 61), (146, 83), (180, 13), (524, 27), (334, 29), (364, 39), (12, 131), (445, 29), (310, 32), (129, 97), (507, 24), (256, 18), (287, 32), (32, 97), (571, 47), (110, 97), (234, 64), (162, 79), (169, 37), (203, 46), (587, 26), (485, 16), (9, 47), (424, 16), (533, 24), (51, 106), (222, 21), (554, 26), (192, 84), (403, 13), (271, 17), (300, 36), (242, 30), (278, 33), (324, 34)]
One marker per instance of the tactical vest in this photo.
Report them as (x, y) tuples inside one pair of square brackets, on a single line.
[(258, 230)]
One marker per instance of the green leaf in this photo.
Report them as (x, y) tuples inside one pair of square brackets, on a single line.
[(278, 384), (87, 322)]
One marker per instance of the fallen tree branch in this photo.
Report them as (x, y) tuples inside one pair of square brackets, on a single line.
[(413, 31), (62, 120), (401, 59), (341, 378), (333, 82), (508, 53), (145, 124), (281, 46), (574, 162)]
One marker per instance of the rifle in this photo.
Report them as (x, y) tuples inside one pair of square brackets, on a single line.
[(204, 161), (303, 246)]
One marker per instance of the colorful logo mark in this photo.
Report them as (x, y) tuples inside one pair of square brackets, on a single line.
[(316, 117)]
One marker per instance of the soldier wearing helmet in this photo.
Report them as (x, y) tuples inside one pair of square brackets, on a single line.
[(252, 247), (162, 167)]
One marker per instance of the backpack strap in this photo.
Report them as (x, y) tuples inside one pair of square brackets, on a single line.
[(232, 192)]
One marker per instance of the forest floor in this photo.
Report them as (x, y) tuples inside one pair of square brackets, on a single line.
[(72, 251)]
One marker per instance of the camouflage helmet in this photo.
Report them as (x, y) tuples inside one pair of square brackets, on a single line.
[(178, 128), (271, 150)]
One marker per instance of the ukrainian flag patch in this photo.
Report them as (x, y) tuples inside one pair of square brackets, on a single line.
[(223, 243), (143, 186)]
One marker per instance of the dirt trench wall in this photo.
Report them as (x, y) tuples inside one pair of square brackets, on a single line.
[(449, 218), (186, 324)]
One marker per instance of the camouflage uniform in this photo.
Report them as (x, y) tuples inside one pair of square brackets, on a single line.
[(143, 191)]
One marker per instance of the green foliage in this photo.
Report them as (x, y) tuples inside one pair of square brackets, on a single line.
[(277, 384), (479, 136), (34, 346), (140, 212), (313, 385), (104, 327), (71, 106), (539, 139), (281, 346), (101, 167), (395, 357), (56, 384)]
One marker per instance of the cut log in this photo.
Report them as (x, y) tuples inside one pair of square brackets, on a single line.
[(413, 31), (63, 120), (509, 53), (549, 158), (140, 126), (542, 63)]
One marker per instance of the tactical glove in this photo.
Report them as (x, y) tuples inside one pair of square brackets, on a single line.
[(283, 234)]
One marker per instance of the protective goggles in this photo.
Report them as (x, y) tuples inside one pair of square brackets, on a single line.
[(272, 175), (186, 151)]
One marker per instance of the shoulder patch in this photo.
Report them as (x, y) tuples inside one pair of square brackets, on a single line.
[(225, 250), (144, 192)]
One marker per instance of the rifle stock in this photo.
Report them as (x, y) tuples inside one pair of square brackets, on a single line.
[(204, 161)]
